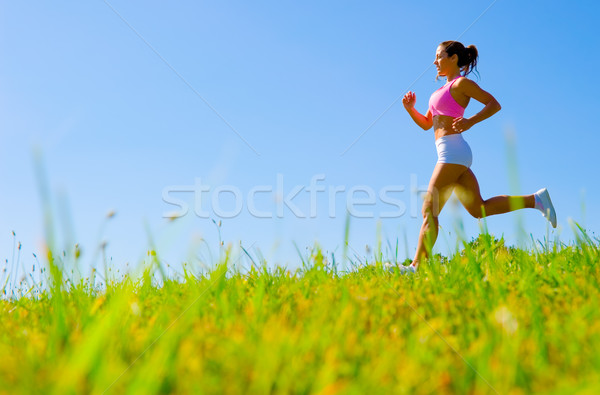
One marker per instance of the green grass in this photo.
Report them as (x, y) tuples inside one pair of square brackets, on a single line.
[(490, 320)]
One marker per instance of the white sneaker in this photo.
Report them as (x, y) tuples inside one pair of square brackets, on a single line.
[(547, 207), (407, 269), (403, 269)]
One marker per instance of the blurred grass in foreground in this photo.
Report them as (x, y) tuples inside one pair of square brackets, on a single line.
[(491, 319)]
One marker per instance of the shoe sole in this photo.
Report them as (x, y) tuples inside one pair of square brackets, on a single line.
[(547, 202)]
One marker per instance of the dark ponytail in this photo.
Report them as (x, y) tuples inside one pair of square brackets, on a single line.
[(467, 57)]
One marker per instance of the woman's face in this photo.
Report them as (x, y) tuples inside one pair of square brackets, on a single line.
[(442, 61)]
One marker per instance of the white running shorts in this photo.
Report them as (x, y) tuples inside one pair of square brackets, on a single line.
[(454, 149)]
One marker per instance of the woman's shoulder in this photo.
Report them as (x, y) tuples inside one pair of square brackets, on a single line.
[(463, 84), (468, 87), (465, 81)]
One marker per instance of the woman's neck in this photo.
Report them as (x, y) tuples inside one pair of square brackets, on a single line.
[(453, 76)]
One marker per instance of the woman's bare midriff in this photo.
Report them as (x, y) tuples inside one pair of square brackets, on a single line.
[(442, 125)]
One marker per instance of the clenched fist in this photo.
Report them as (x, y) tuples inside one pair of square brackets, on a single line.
[(409, 100)]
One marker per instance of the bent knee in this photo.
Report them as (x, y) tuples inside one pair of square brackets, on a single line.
[(429, 211), (476, 212), (430, 208), (429, 215)]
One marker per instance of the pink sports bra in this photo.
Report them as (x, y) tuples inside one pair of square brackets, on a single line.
[(441, 102)]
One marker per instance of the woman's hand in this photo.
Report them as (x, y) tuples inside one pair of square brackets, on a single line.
[(461, 124), (409, 100)]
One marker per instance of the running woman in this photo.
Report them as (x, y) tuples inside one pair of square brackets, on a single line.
[(452, 171)]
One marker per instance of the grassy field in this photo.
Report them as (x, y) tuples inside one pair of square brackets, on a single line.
[(490, 320)]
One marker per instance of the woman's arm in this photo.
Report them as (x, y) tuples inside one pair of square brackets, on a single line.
[(471, 89), (424, 121)]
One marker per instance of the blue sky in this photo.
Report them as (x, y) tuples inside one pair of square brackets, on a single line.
[(240, 95)]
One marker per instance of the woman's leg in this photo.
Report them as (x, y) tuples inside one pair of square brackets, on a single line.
[(467, 191), (443, 180)]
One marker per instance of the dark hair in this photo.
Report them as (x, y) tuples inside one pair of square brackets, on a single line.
[(467, 57)]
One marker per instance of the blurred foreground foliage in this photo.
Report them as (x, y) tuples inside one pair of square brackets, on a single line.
[(490, 319)]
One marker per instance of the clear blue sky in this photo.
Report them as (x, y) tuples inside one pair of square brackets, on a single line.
[(299, 82)]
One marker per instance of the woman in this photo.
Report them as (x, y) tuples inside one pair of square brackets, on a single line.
[(452, 171)]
